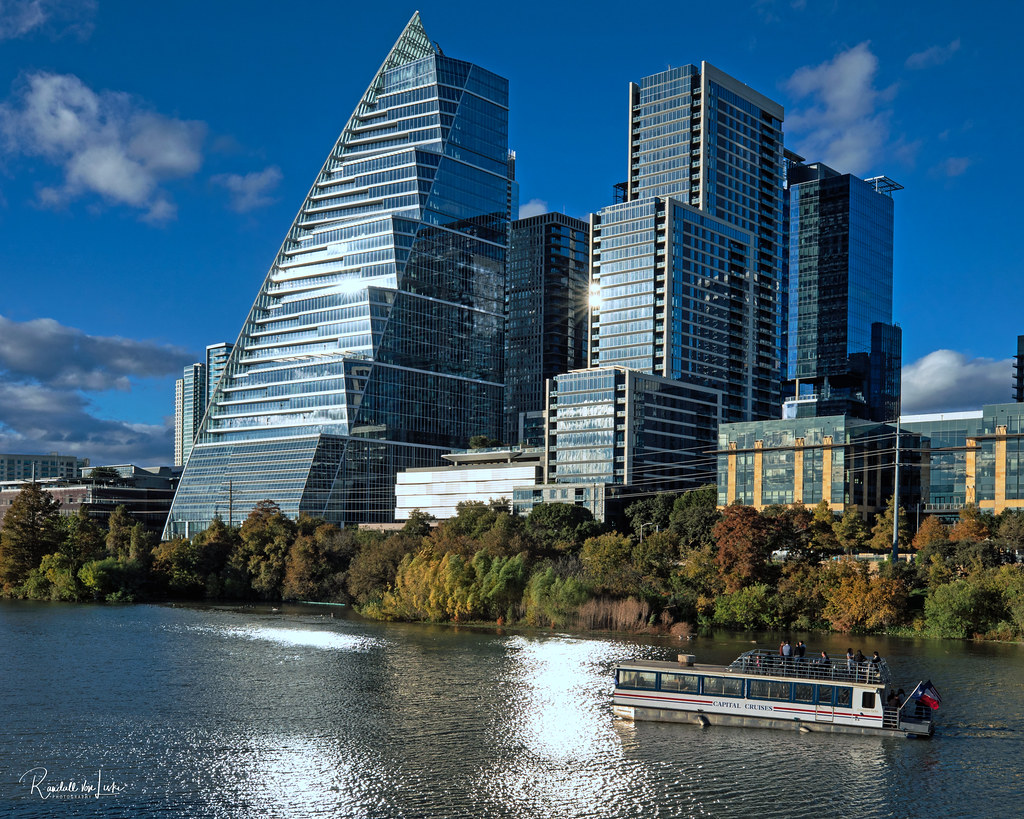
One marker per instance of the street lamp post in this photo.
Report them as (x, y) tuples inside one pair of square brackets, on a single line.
[(649, 523)]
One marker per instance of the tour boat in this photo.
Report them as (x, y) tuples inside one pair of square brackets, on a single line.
[(761, 689)]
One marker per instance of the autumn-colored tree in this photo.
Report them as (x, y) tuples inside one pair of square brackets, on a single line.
[(933, 532), (31, 529), (973, 525), (373, 567), (881, 534), (316, 562), (854, 599), (744, 546)]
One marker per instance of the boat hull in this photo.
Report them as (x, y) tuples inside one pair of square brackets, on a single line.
[(711, 718)]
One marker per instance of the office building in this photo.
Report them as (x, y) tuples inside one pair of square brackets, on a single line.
[(14, 467), (189, 406), (547, 298), (376, 341), (615, 433), (843, 349), (687, 271), (947, 460), (484, 475)]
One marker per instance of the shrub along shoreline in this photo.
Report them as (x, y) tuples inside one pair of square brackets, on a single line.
[(693, 567)]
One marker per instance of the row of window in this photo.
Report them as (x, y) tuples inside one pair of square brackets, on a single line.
[(808, 693)]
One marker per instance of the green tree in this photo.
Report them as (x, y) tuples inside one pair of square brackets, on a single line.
[(83, 538), (266, 536), (561, 527), (964, 608), (608, 565), (851, 532), (483, 442), (694, 515), (104, 474), (1010, 529), (653, 512), (881, 534), (752, 607), (31, 529), (418, 523), (823, 540), (316, 564), (119, 533)]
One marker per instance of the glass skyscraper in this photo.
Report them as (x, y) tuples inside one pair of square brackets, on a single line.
[(189, 405), (546, 298), (687, 272), (844, 351), (376, 341)]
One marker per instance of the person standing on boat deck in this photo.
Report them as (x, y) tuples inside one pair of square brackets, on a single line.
[(858, 659), (823, 660), (787, 652), (849, 659), (800, 651)]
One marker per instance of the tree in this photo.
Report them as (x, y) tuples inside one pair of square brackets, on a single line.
[(483, 442), (119, 533), (561, 526), (1010, 529), (266, 537), (651, 512), (744, 546), (373, 568), (694, 515), (851, 532), (973, 525), (607, 563), (104, 474), (31, 529), (933, 532), (314, 569), (418, 523), (823, 540), (881, 534)]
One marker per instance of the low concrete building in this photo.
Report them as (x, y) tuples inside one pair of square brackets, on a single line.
[(474, 475)]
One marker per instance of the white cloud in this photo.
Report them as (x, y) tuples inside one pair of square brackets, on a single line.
[(953, 166), (106, 143), (936, 55), (19, 18), (844, 122), (252, 190), (948, 381), (535, 207)]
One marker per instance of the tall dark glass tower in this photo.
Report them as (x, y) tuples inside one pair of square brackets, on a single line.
[(547, 297), (376, 341), (687, 272), (844, 350)]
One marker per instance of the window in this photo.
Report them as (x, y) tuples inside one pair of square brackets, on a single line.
[(825, 694), (723, 686), (867, 700), (844, 697), (638, 679), (770, 690), (686, 683), (803, 692)]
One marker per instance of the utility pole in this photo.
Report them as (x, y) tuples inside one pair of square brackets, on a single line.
[(896, 502), (231, 510)]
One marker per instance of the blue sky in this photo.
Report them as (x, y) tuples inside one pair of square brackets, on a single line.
[(152, 157)]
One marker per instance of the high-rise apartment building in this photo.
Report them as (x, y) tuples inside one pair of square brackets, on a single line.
[(217, 356), (843, 349), (376, 341), (1018, 372), (14, 467), (687, 272), (546, 307), (189, 406)]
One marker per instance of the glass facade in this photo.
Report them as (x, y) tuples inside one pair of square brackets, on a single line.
[(686, 274), (840, 287), (617, 426), (217, 356), (376, 341), (190, 404), (546, 308)]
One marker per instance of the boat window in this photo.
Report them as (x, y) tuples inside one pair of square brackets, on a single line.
[(687, 683), (803, 692), (824, 695), (723, 686), (867, 700), (770, 690), (844, 697), (637, 679)]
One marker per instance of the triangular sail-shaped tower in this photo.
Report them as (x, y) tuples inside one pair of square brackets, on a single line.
[(376, 341)]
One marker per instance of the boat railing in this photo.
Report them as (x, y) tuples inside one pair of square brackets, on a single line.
[(770, 664)]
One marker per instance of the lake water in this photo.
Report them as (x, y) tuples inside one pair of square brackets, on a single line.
[(171, 711)]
